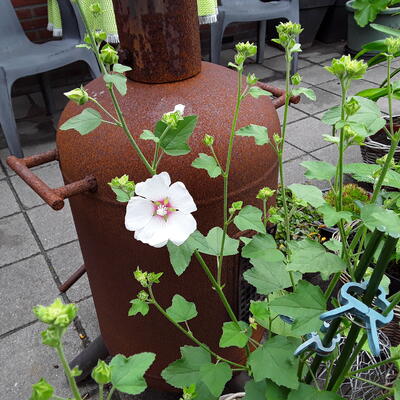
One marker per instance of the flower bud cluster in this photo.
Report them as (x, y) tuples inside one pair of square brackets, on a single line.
[(287, 35), (265, 193), (346, 69), (236, 206), (208, 140), (57, 314), (108, 55), (393, 45), (42, 391), (173, 117), (246, 49), (79, 95), (146, 279), (351, 107), (296, 79), (189, 392), (123, 183)]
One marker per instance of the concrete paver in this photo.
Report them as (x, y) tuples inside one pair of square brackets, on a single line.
[(8, 205)]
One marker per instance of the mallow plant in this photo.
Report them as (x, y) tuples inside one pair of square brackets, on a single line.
[(301, 336)]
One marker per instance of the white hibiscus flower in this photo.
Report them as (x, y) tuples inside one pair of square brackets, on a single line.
[(160, 212)]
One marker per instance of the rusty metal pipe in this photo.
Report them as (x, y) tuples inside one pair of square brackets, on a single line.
[(72, 279)]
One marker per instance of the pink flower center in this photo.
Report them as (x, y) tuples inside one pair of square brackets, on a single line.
[(163, 208)]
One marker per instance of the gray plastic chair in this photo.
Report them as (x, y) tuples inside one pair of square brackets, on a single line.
[(251, 10), (19, 57)]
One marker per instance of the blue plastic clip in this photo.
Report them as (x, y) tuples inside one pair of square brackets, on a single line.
[(371, 319), (314, 342)]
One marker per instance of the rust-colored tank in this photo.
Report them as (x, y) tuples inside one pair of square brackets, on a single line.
[(110, 252)]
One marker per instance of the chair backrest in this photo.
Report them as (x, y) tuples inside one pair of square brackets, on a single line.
[(11, 33), (72, 24)]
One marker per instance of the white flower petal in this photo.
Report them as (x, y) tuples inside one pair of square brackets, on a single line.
[(180, 108), (154, 188), (180, 226), (180, 198), (155, 233), (138, 213)]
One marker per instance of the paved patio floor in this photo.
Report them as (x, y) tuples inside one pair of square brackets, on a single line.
[(39, 247)]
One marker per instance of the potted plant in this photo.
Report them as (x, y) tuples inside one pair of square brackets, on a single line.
[(294, 312), (363, 12)]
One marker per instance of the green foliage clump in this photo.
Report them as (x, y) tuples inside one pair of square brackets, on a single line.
[(351, 193)]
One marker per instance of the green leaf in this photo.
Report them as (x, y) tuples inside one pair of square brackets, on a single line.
[(377, 217), (275, 360), (319, 170), (268, 277), (180, 256), (186, 370), (367, 11), (138, 306), (264, 390), (261, 313), (256, 92), (395, 353), (308, 193), (127, 372), (311, 393), (233, 335), (386, 29), (373, 94), (305, 305), (333, 245), (310, 256), (181, 310), (121, 68), (331, 116), (203, 161), (332, 217), (149, 135), (259, 133), (174, 142), (118, 80), (264, 247), (214, 242), (122, 196), (309, 93), (215, 377), (85, 122), (250, 217), (366, 172)]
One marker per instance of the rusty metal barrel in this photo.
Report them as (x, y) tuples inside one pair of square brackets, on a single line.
[(89, 162)]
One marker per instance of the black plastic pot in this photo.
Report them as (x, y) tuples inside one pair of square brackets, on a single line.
[(334, 26)]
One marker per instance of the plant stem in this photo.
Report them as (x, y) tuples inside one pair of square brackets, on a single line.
[(225, 174), (370, 382), (365, 369), (68, 372), (155, 159), (101, 392), (332, 285), (188, 333), (111, 392), (104, 110)]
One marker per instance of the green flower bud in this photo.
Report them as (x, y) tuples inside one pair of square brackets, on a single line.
[(58, 313), (289, 29), (143, 296), (246, 49), (122, 187), (141, 277), (346, 69), (265, 193), (101, 373), (100, 36), (173, 117), (95, 9), (51, 336), (154, 278), (236, 206), (251, 79), (296, 79), (108, 55), (351, 107), (277, 138), (79, 95), (208, 140), (189, 392), (239, 59), (76, 371), (42, 391), (393, 45)]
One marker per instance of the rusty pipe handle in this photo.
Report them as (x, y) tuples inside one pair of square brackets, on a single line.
[(279, 94), (53, 197)]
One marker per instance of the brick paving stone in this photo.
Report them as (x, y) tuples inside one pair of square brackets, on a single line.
[(2, 174), (24, 285), (330, 154), (316, 75), (376, 75), (87, 314), (259, 70), (51, 175), (16, 240), (294, 172), (306, 134), (25, 360), (53, 227), (356, 86), (66, 260), (321, 55), (293, 114), (8, 203), (324, 101), (279, 64), (291, 152)]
